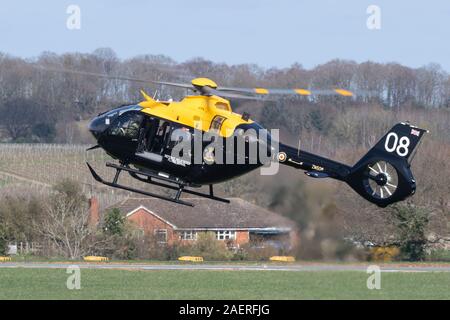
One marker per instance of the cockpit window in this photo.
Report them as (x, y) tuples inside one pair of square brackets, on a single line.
[(216, 123), (111, 115), (120, 110), (127, 125)]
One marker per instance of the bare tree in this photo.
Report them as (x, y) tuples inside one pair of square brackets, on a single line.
[(65, 222)]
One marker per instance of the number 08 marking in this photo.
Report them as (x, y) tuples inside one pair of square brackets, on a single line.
[(399, 145)]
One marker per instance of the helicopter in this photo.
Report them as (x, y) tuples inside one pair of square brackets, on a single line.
[(162, 143)]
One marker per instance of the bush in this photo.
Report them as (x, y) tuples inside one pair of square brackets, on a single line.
[(125, 248), (440, 255), (151, 249), (3, 246), (114, 223), (45, 132), (207, 247), (411, 222), (255, 253), (384, 254), (119, 239)]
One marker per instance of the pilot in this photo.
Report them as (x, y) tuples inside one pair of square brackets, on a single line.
[(133, 128)]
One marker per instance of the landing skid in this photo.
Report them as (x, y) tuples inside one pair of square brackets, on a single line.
[(155, 179)]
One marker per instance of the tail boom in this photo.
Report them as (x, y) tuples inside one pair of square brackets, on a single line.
[(314, 165)]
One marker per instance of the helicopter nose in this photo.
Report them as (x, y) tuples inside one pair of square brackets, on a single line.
[(97, 126)]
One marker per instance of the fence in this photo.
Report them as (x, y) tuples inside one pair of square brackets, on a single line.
[(22, 248)]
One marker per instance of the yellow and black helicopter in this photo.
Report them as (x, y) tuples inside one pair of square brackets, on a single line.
[(163, 143)]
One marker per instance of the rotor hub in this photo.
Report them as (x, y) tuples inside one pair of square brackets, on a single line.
[(204, 82), (381, 179)]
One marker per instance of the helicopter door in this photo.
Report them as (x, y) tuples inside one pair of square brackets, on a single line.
[(153, 139)]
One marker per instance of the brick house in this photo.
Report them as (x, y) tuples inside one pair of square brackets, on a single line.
[(238, 222)]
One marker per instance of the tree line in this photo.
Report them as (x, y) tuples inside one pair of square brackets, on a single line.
[(37, 103)]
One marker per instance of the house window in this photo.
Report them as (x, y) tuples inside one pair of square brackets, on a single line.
[(139, 233), (161, 235), (188, 235), (226, 235)]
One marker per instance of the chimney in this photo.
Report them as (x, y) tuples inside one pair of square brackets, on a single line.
[(94, 215)]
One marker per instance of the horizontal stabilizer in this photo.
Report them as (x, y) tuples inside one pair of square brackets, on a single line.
[(317, 175)]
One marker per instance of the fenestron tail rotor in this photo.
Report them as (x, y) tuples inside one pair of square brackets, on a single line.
[(381, 180)]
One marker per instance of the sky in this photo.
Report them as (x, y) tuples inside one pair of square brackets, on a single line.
[(270, 33)]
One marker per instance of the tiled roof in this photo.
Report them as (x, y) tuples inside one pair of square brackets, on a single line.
[(238, 214)]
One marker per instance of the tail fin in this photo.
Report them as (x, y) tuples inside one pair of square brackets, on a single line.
[(383, 175), (148, 98)]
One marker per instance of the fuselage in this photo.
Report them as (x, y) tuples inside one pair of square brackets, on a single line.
[(219, 144)]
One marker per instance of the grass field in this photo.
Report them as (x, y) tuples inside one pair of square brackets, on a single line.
[(171, 284)]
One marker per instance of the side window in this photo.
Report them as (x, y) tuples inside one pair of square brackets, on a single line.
[(216, 123), (161, 137), (163, 130), (222, 106), (179, 134), (127, 125)]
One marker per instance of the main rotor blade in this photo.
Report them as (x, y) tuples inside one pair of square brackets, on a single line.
[(231, 95), (226, 92), (298, 91), (114, 77), (203, 90)]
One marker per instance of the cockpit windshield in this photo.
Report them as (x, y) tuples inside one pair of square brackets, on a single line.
[(104, 120), (110, 116), (127, 126)]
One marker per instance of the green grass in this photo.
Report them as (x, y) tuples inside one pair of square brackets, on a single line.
[(171, 284)]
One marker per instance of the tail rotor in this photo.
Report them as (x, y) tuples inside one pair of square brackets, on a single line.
[(382, 180)]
